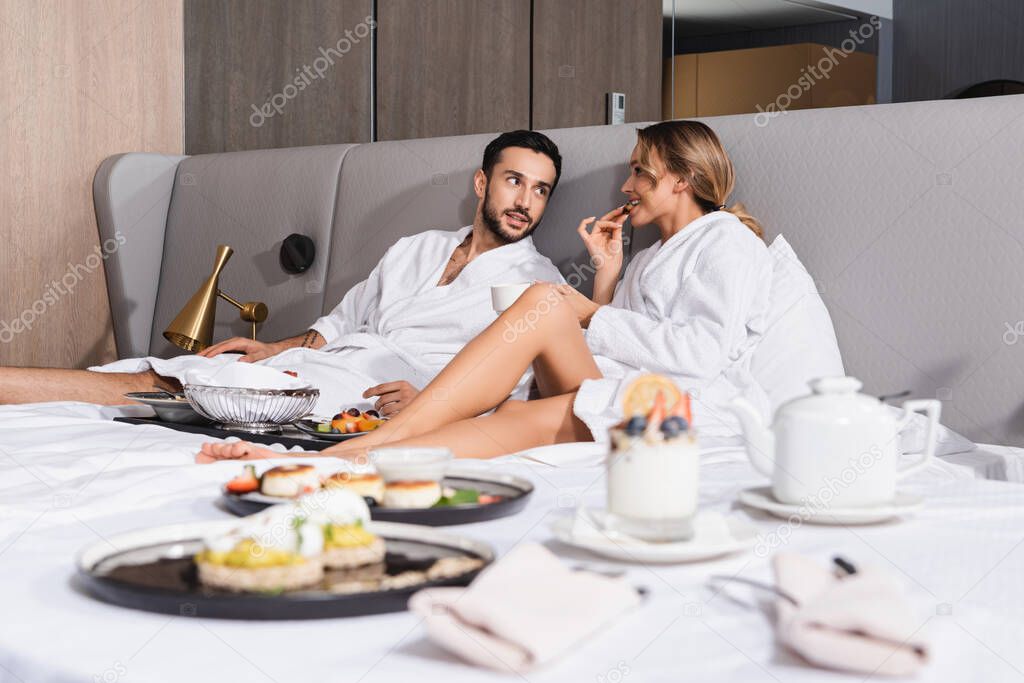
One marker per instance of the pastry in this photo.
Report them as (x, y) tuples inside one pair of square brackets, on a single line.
[(289, 481), (368, 485), (411, 494)]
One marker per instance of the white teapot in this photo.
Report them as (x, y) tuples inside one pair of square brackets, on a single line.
[(835, 447)]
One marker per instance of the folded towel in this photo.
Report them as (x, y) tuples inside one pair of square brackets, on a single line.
[(241, 375), (523, 611), (861, 622)]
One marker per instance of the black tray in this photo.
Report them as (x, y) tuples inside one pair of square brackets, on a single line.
[(289, 437), (159, 580), (516, 492)]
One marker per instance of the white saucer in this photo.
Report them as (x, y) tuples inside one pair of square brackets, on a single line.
[(714, 535), (761, 498)]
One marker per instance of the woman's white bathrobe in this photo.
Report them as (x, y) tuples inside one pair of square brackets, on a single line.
[(693, 308), (395, 325)]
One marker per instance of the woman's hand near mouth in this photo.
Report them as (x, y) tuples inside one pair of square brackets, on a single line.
[(604, 244)]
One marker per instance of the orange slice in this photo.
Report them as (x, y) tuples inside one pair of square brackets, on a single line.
[(643, 392)]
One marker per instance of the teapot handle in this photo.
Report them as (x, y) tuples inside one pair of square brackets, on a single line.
[(931, 408)]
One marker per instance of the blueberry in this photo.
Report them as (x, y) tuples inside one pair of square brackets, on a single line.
[(636, 425), (673, 426)]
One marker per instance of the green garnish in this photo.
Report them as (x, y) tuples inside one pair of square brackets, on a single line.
[(297, 522), (460, 497)]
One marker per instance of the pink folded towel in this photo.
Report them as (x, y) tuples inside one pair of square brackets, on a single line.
[(861, 622), (523, 611)]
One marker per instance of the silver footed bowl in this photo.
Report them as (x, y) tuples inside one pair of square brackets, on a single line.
[(257, 411)]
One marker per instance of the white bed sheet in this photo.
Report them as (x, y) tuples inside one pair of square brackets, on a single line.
[(69, 477)]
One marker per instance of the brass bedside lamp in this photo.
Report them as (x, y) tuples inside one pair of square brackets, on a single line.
[(192, 329)]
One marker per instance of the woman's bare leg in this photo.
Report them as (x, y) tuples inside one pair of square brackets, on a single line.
[(515, 426), (538, 327)]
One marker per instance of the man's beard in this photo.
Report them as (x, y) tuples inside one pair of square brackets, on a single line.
[(492, 219)]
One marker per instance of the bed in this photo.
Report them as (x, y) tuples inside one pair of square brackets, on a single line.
[(90, 479)]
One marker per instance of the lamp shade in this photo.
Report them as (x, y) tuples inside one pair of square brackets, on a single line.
[(192, 329)]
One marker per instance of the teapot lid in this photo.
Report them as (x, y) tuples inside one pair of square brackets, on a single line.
[(834, 397), (835, 385)]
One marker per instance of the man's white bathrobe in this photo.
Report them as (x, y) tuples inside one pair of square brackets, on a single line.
[(395, 325), (693, 308)]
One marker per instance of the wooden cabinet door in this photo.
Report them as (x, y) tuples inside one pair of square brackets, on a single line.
[(275, 73), (452, 67), (584, 49)]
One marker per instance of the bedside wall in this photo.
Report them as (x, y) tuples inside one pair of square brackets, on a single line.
[(83, 79)]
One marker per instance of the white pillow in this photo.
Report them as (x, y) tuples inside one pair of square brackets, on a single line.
[(799, 343)]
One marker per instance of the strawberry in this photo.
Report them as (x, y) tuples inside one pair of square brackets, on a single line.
[(246, 482), (657, 413), (682, 408)]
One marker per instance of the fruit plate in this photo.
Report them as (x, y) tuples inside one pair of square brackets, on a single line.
[(308, 426), (152, 570), (515, 492)]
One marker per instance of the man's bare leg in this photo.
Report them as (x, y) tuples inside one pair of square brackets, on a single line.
[(34, 385)]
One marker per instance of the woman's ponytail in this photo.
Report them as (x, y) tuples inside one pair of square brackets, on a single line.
[(740, 212)]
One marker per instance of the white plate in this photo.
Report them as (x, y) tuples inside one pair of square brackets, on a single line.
[(761, 498), (714, 535)]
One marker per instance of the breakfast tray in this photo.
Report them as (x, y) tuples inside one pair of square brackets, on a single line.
[(288, 437)]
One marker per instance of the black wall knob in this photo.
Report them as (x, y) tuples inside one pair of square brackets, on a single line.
[(297, 253)]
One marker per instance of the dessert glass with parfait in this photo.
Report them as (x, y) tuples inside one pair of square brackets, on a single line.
[(653, 473)]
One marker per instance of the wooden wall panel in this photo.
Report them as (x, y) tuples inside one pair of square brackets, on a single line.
[(81, 80), (583, 49), (276, 73), (452, 67)]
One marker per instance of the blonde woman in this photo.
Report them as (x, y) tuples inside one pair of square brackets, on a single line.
[(692, 306)]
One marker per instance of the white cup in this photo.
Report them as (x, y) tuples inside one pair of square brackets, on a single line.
[(652, 489), (503, 296)]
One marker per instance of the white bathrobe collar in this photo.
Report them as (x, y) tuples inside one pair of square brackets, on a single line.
[(689, 231), (504, 251), (692, 228)]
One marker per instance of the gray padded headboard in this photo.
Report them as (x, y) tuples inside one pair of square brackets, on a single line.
[(131, 193), (251, 201)]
